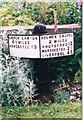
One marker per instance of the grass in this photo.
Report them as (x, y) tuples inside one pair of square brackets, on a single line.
[(56, 110)]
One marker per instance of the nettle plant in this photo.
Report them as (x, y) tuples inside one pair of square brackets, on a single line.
[(16, 84)]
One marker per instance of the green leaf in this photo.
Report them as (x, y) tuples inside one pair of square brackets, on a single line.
[(78, 51), (59, 69), (69, 69), (80, 62)]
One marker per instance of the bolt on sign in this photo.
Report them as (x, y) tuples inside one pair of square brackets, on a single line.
[(43, 46)]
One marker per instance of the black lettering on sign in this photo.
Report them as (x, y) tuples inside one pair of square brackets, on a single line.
[(23, 46), (71, 42), (55, 36), (59, 49), (66, 44), (50, 41), (52, 45), (43, 46), (71, 51), (35, 47), (58, 54), (55, 54), (48, 50), (25, 42), (55, 41), (22, 38), (42, 55), (49, 46), (36, 38), (19, 42), (65, 35), (62, 35), (47, 55), (51, 36), (13, 41), (27, 38), (33, 38), (68, 52), (28, 42), (68, 48), (45, 51), (41, 37), (55, 45), (50, 54), (65, 40), (59, 36), (58, 41), (62, 44), (69, 35)]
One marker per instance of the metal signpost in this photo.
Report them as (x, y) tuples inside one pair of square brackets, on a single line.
[(43, 46)]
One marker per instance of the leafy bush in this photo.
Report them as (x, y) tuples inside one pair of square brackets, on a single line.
[(67, 12), (43, 12), (62, 96), (66, 67), (11, 15), (16, 87), (78, 77)]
